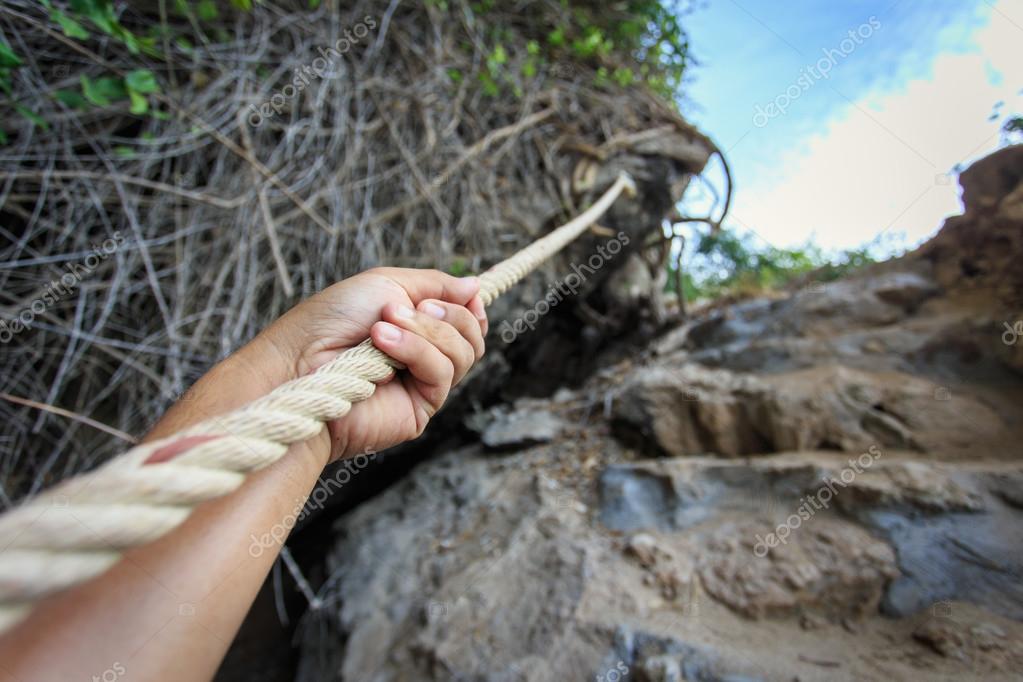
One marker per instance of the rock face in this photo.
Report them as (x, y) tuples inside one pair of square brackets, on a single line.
[(834, 567), (503, 429), (824, 484), (687, 409)]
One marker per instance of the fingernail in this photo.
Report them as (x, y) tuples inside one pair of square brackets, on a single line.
[(433, 310), (388, 332), (406, 312), (481, 316)]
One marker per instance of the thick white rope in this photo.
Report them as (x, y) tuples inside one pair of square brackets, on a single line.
[(79, 528)]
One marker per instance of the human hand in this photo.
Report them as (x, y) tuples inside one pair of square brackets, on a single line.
[(431, 322)]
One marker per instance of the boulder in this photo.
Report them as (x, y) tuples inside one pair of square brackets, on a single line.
[(832, 567)]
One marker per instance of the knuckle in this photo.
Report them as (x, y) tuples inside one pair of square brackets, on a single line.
[(448, 371), (465, 318), (468, 354), (447, 332)]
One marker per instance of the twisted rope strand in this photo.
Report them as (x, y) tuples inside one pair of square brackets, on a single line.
[(79, 528)]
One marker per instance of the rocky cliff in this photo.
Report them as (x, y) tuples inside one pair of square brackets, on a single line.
[(819, 484)]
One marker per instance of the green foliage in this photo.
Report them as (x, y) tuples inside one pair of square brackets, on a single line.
[(71, 28), (8, 62), (100, 13), (495, 66), (638, 39), (32, 116), (104, 91), (207, 10), (624, 44), (86, 20), (459, 267), (726, 263), (71, 99)]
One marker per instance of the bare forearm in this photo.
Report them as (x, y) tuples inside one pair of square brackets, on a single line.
[(169, 609)]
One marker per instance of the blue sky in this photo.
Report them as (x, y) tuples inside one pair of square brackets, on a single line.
[(871, 148)]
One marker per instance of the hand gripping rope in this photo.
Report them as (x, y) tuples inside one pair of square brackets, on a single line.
[(79, 528)]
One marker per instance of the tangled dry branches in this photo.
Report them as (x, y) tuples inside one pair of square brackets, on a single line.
[(395, 155)]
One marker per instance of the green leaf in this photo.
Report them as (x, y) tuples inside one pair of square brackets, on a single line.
[(490, 86), (139, 103), (622, 76), (7, 56), (70, 98), (314, 4), (142, 81), (3, 136), (533, 47), (93, 93), (124, 152), (556, 37), (242, 4), (148, 45), (207, 10), (102, 90), (133, 44), (455, 75), (99, 12), (32, 116), (71, 28)]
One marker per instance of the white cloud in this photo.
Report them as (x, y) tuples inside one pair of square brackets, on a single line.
[(880, 163)]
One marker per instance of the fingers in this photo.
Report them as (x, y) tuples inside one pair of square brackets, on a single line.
[(459, 317), (423, 284), (431, 370), (477, 308), (444, 336)]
